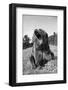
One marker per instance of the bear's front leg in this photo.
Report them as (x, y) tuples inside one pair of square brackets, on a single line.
[(32, 60)]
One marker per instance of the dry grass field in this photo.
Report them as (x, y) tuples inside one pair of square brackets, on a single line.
[(50, 66)]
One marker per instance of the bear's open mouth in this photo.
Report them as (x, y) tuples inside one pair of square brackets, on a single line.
[(38, 35)]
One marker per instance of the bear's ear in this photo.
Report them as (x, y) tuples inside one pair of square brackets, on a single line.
[(47, 36)]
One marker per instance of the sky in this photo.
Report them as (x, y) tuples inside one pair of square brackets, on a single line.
[(32, 22)]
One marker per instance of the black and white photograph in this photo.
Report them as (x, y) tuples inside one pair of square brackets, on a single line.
[(39, 44)]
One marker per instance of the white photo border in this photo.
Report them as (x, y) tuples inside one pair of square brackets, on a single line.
[(20, 78)]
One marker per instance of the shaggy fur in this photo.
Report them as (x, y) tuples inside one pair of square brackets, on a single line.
[(40, 51)]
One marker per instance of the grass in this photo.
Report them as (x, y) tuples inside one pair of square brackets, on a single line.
[(50, 66)]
